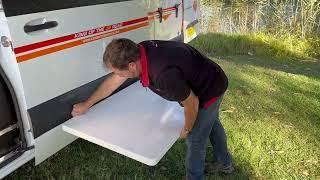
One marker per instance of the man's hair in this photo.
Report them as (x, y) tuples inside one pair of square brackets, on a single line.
[(120, 52)]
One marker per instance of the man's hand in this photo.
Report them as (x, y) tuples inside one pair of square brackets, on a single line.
[(79, 109), (191, 107), (184, 133), (111, 83)]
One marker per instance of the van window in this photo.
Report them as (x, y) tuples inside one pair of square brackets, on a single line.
[(20, 7)]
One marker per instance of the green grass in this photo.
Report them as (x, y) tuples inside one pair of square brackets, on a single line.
[(259, 44), (271, 113)]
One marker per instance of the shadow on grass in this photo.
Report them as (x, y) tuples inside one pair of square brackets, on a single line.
[(309, 68), (243, 168), (291, 104), (84, 160), (273, 55)]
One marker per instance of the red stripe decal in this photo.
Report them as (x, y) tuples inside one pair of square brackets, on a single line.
[(76, 35), (42, 44), (71, 44), (164, 10)]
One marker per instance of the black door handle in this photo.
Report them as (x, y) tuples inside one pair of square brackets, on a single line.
[(176, 6), (46, 25), (160, 11)]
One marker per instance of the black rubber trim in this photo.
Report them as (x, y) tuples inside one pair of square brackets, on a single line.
[(193, 23), (56, 111), (21, 7)]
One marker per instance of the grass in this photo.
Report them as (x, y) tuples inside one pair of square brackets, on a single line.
[(259, 44), (271, 113)]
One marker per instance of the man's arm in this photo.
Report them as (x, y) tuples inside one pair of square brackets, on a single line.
[(110, 84), (173, 81), (191, 108)]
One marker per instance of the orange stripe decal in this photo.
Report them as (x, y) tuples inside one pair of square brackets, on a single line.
[(145, 22), (165, 17), (50, 50)]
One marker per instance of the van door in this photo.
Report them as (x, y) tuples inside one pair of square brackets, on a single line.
[(59, 46), (16, 142), (168, 20)]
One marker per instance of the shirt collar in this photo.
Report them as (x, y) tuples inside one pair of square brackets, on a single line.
[(144, 77)]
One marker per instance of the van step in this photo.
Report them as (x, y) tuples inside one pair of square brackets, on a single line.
[(7, 156), (10, 152), (8, 129)]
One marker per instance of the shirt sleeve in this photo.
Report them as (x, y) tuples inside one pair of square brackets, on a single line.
[(174, 84)]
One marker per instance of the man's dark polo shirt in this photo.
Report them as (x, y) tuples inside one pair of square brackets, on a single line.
[(172, 69)]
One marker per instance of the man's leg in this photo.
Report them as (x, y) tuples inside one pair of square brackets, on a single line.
[(218, 140), (197, 141)]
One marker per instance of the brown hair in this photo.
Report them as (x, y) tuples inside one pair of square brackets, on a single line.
[(120, 52)]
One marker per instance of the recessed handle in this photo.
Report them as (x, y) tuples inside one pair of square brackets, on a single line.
[(38, 27)]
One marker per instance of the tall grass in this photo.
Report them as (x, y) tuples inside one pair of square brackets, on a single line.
[(294, 24), (255, 44)]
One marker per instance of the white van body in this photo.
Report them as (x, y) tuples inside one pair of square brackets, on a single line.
[(51, 58)]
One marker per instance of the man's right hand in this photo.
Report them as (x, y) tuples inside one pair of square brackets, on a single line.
[(110, 84), (79, 109)]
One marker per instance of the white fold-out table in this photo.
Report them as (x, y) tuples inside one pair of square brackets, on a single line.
[(135, 122)]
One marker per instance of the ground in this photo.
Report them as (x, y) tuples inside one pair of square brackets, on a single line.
[(271, 113)]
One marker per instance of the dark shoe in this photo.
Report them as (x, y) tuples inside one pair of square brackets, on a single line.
[(216, 167)]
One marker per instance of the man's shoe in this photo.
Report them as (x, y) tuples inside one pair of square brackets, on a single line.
[(216, 167)]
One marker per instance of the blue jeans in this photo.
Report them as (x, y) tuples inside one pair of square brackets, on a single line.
[(206, 126)]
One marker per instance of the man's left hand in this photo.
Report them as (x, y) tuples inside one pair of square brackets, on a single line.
[(184, 133)]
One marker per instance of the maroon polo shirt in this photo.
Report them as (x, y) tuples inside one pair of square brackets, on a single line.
[(172, 69)]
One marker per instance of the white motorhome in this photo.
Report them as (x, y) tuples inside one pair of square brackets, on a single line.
[(51, 57)]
